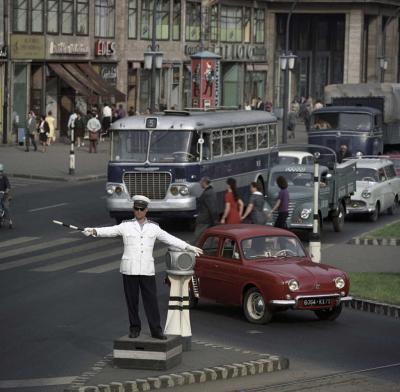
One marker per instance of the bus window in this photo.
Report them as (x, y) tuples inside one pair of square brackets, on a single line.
[(206, 147), (251, 138), (263, 136), (240, 140), (272, 135), (216, 143), (227, 141), (170, 146), (130, 145)]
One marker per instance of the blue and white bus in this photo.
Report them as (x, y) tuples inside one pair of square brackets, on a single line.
[(164, 156)]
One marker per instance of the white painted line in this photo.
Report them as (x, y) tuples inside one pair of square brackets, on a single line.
[(49, 256), (33, 248), (35, 382), (48, 207), (17, 241), (79, 260)]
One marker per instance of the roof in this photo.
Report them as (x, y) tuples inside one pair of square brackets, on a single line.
[(371, 163), (296, 168), (243, 231), (197, 120), (295, 154), (347, 109)]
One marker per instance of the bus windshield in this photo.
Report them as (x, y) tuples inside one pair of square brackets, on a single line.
[(130, 146)]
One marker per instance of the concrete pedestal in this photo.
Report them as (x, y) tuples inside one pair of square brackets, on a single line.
[(147, 353)]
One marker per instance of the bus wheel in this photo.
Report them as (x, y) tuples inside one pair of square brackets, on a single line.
[(260, 184)]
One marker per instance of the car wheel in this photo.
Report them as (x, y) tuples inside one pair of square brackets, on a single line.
[(392, 210), (254, 307), (338, 220), (329, 314), (375, 215)]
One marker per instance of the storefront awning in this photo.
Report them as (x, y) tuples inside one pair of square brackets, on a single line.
[(69, 79), (95, 77)]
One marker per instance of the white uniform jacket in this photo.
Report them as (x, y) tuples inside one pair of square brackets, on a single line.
[(138, 244)]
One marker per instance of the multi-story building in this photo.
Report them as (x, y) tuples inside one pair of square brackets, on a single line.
[(63, 54)]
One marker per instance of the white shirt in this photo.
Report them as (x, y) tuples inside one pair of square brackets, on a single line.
[(71, 120), (107, 112), (137, 258), (93, 125)]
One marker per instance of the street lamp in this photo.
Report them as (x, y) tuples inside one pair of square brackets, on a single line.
[(383, 64)]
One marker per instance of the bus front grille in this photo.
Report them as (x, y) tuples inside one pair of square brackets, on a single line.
[(152, 185)]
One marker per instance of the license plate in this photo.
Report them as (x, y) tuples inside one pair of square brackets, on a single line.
[(317, 302)]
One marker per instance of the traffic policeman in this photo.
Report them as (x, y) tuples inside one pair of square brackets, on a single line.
[(137, 264)]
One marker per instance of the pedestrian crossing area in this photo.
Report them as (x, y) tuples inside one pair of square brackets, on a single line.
[(66, 254)]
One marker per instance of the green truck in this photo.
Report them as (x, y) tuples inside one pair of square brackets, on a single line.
[(337, 182)]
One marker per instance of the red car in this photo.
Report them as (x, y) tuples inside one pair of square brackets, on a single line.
[(264, 269)]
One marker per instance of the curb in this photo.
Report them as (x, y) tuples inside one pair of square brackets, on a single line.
[(60, 179), (374, 307), (263, 364)]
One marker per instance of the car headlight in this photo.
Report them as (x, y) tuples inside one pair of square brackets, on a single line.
[(184, 190), (366, 194), (293, 285), (174, 190), (305, 213), (339, 283)]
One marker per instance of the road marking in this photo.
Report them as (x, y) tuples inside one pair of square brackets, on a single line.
[(51, 255), (33, 248), (78, 260), (17, 241), (35, 382), (48, 207)]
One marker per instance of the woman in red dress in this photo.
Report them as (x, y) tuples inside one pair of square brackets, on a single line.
[(233, 204)]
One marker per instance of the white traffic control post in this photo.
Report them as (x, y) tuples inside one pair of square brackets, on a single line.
[(180, 266), (72, 153), (315, 243)]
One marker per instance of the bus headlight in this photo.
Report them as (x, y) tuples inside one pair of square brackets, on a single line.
[(174, 190), (118, 190), (184, 190), (110, 189), (366, 194), (305, 213)]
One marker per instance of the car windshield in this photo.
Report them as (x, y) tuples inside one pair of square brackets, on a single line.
[(293, 178), (349, 121), (271, 247), (288, 160), (365, 174), (130, 145)]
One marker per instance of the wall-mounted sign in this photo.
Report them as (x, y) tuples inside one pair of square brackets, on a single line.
[(27, 47), (3, 52), (109, 73), (66, 48), (104, 48), (240, 52)]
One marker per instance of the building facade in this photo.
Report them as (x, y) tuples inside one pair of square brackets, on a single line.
[(60, 55)]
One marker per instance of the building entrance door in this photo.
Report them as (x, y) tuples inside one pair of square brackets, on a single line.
[(302, 74), (321, 74)]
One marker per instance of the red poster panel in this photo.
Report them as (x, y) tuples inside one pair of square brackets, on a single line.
[(204, 76)]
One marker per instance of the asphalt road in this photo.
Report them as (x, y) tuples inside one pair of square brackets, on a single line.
[(62, 304)]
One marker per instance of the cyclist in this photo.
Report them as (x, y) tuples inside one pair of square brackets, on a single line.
[(5, 188)]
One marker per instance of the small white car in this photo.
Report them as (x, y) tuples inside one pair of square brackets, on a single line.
[(377, 188), (296, 158)]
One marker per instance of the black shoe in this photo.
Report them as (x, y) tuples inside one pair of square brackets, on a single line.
[(159, 336), (134, 334)]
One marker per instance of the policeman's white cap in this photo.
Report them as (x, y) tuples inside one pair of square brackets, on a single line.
[(140, 201)]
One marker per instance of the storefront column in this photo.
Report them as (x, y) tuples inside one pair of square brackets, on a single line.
[(391, 50), (270, 46), (353, 47), (374, 37)]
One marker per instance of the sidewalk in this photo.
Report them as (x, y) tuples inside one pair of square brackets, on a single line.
[(54, 163)]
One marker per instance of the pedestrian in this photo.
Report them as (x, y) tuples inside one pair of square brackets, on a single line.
[(207, 207), (30, 131), (80, 126), (137, 265), (71, 124), (44, 132), (282, 204), (121, 111), (107, 115), (94, 128), (255, 207), (292, 122), (305, 114), (5, 198), (114, 112), (344, 153), (318, 105), (247, 106), (260, 104), (131, 111), (233, 204), (52, 126)]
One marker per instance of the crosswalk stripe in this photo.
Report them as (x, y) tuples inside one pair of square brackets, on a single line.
[(51, 255), (17, 241), (40, 246), (79, 260)]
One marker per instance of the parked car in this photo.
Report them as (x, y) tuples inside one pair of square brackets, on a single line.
[(377, 188), (295, 157), (264, 269)]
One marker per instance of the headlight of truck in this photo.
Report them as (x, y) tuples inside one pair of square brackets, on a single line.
[(339, 283), (366, 194), (184, 190), (305, 213), (293, 285)]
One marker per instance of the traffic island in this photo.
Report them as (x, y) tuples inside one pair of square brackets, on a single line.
[(206, 362)]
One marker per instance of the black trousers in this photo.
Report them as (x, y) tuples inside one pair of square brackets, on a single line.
[(148, 288), (30, 138), (281, 220)]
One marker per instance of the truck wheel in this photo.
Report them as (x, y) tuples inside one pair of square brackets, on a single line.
[(375, 215), (329, 314), (394, 207), (254, 307), (338, 220)]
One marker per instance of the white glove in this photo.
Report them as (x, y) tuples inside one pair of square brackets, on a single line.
[(88, 231), (197, 251)]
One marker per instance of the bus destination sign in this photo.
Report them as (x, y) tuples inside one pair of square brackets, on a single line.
[(151, 122)]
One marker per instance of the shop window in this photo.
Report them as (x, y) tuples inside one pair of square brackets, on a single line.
[(20, 95), (82, 17), (231, 24), (247, 25), (20, 16), (67, 17), (132, 18), (104, 18), (176, 22), (193, 21), (214, 23), (37, 16), (52, 16), (230, 85), (259, 26)]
